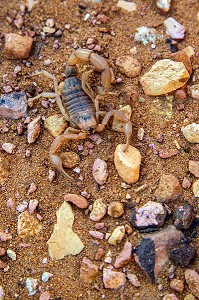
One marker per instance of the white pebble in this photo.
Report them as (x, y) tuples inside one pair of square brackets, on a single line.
[(8, 147), (174, 29), (46, 276), (11, 254), (31, 285)]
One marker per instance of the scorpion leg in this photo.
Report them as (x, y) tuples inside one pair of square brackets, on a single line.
[(122, 117), (54, 158)]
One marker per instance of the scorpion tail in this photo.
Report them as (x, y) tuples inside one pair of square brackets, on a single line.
[(57, 163)]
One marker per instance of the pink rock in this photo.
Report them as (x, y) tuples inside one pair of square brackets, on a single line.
[(113, 279), (192, 279), (4, 236), (134, 280), (88, 271), (125, 256), (96, 234), (8, 147), (169, 188), (19, 21), (99, 254), (180, 94), (99, 171), (194, 167), (32, 206), (177, 285), (102, 18), (168, 153), (186, 183), (17, 46), (99, 225), (44, 296), (32, 188), (78, 200), (174, 29), (51, 175), (34, 130), (10, 203)]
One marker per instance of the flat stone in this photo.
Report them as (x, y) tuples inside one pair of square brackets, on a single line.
[(8, 147), (63, 240), (174, 28), (195, 188), (124, 256), (17, 46), (127, 163), (100, 172), (34, 129), (69, 159), (55, 124), (184, 216), (177, 285), (194, 167), (164, 77), (115, 209), (117, 235), (192, 279), (119, 125), (13, 105), (128, 6), (88, 271), (195, 91), (191, 132), (28, 225), (169, 188), (98, 211), (164, 5), (113, 279), (129, 65), (4, 169), (183, 255), (78, 200), (133, 279)]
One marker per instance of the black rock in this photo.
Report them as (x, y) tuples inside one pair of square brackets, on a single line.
[(183, 255), (184, 216)]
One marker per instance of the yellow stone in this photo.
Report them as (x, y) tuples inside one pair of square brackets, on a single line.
[(28, 225), (55, 124)]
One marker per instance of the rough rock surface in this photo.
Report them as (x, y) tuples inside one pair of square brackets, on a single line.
[(124, 256), (115, 209), (195, 188), (164, 5), (13, 105), (194, 167), (183, 255), (34, 129), (55, 124), (17, 46), (184, 58), (191, 132), (169, 188), (100, 172), (4, 169), (192, 279), (177, 285), (69, 159), (129, 6), (88, 271), (117, 235), (195, 91), (184, 216), (78, 200), (129, 66), (98, 211), (113, 279), (28, 225), (174, 28)]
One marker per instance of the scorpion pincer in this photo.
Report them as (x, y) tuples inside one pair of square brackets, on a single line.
[(78, 104)]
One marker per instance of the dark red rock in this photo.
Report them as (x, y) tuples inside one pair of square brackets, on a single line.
[(183, 255), (13, 105)]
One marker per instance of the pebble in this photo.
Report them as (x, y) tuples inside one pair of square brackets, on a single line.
[(146, 35), (32, 188), (78, 200), (181, 56), (195, 91), (128, 6), (192, 279), (17, 46), (2, 264), (4, 169), (70, 159), (195, 188), (11, 254), (127, 163), (45, 296), (2, 294), (164, 5), (180, 94), (63, 240), (8, 147), (5, 236), (174, 29), (119, 125), (7, 89), (113, 279), (183, 255), (99, 171), (133, 279), (46, 276), (170, 297), (129, 66), (186, 183), (189, 297), (55, 124), (184, 216), (13, 105), (50, 23), (108, 257), (169, 188), (47, 29), (28, 225), (115, 209), (32, 286), (117, 235), (33, 205), (164, 77), (153, 252), (167, 153), (96, 234), (124, 256), (99, 253), (2, 251), (98, 211), (88, 271), (191, 132), (51, 175), (22, 206), (177, 285), (152, 214), (34, 129)]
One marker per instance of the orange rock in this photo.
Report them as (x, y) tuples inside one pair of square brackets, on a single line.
[(17, 46), (78, 200), (184, 58)]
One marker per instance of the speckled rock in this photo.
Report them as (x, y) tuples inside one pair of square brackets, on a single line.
[(184, 216), (55, 124), (100, 172), (34, 129), (195, 188), (127, 163), (183, 255), (177, 285), (8, 147), (119, 125), (13, 105), (169, 188), (129, 66), (117, 235), (194, 167), (32, 286), (164, 5), (129, 6), (152, 214), (88, 271), (69, 159), (99, 253), (98, 211), (4, 169), (174, 28), (164, 77), (113, 279), (133, 279), (191, 132), (63, 240), (124, 256), (115, 209), (192, 279), (28, 225), (170, 297), (195, 91), (17, 46), (78, 200)]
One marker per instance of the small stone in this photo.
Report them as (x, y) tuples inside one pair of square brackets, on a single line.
[(32, 286), (51, 175), (11, 254), (34, 130), (133, 279), (33, 205), (195, 91), (70, 159), (17, 46), (28, 225), (47, 29), (129, 66), (99, 254), (32, 188), (117, 235), (177, 285), (4, 169), (8, 147), (146, 35), (127, 163), (2, 265), (46, 276), (13, 105), (192, 279), (183, 255), (78, 200), (164, 77), (164, 5), (180, 94), (88, 271), (4, 236), (100, 172), (55, 124), (98, 211), (186, 183), (2, 251), (170, 297), (189, 297), (124, 256), (128, 6), (22, 206), (174, 29), (45, 296), (50, 23), (96, 234), (195, 188), (119, 125), (191, 132), (115, 209), (184, 216), (102, 18), (140, 134), (169, 188)]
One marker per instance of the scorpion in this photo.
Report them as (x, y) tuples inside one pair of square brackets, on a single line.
[(78, 104)]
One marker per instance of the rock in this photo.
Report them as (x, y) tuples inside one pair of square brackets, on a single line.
[(70, 159), (180, 94), (88, 271), (98, 210), (164, 5), (100, 172), (164, 77), (181, 56), (17, 46), (129, 65), (133, 279), (96, 234), (177, 285), (189, 50), (78, 200), (32, 286), (28, 225), (33, 205), (169, 153), (2, 251), (192, 279), (99, 253), (11, 254), (34, 130), (46, 276), (189, 297), (124, 256), (51, 175), (153, 252), (194, 167), (5, 236), (186, 183), (108, 257), (174, 29), (1, 293), (195, 188), (45, 296), (115, 209), (119, 125), (117, 235), (145, 35), (32, 188), (195, 91), (169, 188), (4, 169), (191, 132), (13, 105), (55, 124), (8, 147), (2, 265), (170, 297), (113, 279), (129, 6), (183, 255), (63, 240), (152, 214), (184, 216), (127, 163)]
